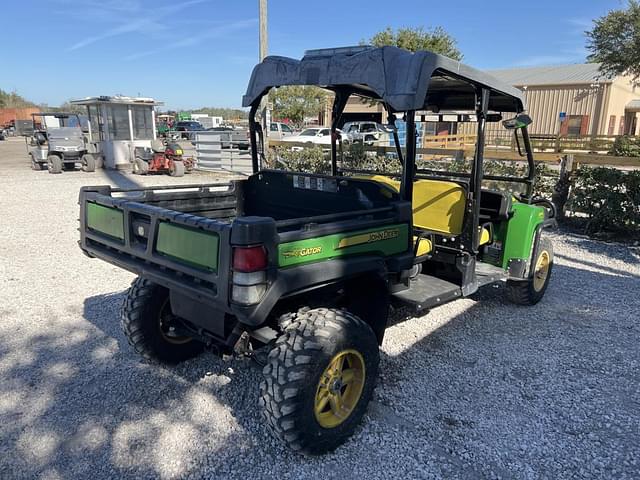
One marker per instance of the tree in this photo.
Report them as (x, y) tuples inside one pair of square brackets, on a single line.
[(436, 40), (614, 41), (296, 102), (13, 100)]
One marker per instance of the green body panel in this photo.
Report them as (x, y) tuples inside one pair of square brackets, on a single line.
[(388, 240), (192, 247), (106, 220), (517, 234)]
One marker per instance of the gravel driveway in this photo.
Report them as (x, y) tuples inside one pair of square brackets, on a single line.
[(475, 389)]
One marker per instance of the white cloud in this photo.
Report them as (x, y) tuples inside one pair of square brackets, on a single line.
[(133, 18), (193, 40)]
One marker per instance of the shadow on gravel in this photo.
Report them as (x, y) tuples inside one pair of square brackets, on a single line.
[(611, 250), (121, 179), (557, 377), (498, 388)]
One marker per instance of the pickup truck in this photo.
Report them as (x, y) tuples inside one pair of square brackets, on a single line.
[(279, 130)]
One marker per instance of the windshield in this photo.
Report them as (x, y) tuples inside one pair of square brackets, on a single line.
[(58, 121), (309, 132)]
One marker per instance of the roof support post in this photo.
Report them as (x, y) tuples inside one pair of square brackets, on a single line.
[(531, 165), (339, 103), (408, 172), (254, 129), (477, 173)]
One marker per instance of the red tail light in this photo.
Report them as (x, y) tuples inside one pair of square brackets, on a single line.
[(249, 259)]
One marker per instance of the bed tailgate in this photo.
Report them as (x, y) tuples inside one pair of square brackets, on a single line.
[(178, 250)]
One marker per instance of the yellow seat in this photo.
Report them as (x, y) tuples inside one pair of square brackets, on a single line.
[(438, 205)]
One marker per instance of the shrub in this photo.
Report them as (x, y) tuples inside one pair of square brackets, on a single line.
[(626, 146), (309, 159), (609, 197)]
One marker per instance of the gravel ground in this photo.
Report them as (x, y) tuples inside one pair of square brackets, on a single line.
[(475, 389)]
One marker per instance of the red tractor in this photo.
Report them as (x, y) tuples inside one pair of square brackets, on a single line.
[(161, 158)]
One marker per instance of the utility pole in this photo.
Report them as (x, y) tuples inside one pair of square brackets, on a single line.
[(264, 42)]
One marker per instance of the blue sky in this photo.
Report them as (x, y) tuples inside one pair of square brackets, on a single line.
[(191, 53)]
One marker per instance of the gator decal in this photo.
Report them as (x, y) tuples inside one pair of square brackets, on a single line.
[(378, 241)]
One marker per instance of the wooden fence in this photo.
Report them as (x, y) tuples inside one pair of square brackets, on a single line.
[(540, 143), (458, 148)]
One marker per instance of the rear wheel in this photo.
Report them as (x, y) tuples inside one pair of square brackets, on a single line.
[(318, 379), (176, 169), (54, 164), (88, 163), (531, 291), (151, 327)]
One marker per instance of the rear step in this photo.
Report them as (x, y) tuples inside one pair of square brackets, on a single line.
[(486, 274), (427, 292)]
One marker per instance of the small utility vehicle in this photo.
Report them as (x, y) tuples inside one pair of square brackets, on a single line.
[(58, 143), (162, 157), (306, 265)]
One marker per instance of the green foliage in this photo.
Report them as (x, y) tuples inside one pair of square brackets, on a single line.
[(309, 159), (615, 39), (626, 146), (436, 40), (610, 198), (295, 102), (13, 100)]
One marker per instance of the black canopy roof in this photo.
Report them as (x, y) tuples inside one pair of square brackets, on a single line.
[(404, 80)]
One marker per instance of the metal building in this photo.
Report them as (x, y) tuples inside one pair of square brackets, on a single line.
[(576, 100)]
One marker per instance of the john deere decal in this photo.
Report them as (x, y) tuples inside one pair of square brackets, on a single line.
[(369, 237)]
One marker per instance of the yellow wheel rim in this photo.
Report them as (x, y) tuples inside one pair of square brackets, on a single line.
[(339, 388), (541, 271)]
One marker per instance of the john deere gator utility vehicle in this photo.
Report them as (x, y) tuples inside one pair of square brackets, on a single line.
[(307, 265)]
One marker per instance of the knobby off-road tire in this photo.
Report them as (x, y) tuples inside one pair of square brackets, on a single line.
[(147, 322), (54, 164), (302, 379), (531, 291)]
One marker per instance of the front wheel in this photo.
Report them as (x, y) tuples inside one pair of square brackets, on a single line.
[(140, 166), (531, 290), (54, 164), (151, 327), (88, 163), (176, 169), (318, 379)]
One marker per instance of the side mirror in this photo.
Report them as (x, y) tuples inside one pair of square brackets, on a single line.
[(520, 121)]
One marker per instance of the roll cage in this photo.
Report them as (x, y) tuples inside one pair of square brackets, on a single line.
[(404, 82)]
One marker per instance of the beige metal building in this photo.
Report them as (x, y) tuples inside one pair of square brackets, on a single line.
[(573, 100)]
